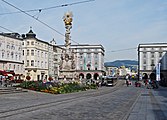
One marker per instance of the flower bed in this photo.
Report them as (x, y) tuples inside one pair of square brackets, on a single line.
[(56, 88)]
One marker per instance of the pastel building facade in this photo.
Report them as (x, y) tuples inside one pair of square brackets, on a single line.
[(36, 57), (27, 55), (11, 59), (89, 61), (150, 56)]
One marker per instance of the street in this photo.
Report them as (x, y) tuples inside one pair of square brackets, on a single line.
[(105, 103)]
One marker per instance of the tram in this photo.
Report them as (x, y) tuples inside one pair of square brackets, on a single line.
[(110, 80)]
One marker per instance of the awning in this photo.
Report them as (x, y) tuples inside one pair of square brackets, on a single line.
[(10, 75), (3, 73)]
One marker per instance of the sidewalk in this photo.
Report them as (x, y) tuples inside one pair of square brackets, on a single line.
[(150, 105)]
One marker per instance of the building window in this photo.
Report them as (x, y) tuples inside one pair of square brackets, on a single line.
[(81, 68), (144, 67), (38, 53), (32, 62), (89, 55), (22, 43), (38, 63), (18, 67), (45, 55), (152, 54), (81, 55), (41, 54), (96, 55), (19, 48), (27, 62), (9, 66), (95, 68), (27, 42), (8, 46), (160, 54), (160, 49), (96, 63), (12, 54), (152, 61), (8, 55), (32, 52), (13, 66), (32, 43), (16, 57), (3, 54), (19, 56), (144, 54), (144, 62), (12, 47), (152, 64), (27, 52), (42, 64), (23, 52), (45, 64)]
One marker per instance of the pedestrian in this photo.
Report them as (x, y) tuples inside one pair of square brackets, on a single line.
[(127, 83), (97, 83), (1, 82), (146, 82)]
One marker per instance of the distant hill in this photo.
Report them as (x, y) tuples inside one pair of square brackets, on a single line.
[(118, 63)]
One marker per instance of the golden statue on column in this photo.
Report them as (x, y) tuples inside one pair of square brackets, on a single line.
[(67, 66), (67, 18)]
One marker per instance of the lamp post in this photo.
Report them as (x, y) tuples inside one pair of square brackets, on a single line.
[(138, 63)]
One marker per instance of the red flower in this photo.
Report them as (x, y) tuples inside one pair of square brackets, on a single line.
[(50, 78), (28, 77)]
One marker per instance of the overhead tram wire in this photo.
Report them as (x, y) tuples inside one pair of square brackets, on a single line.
[(122, 50), (38, 20), (6, 29), (42, 21), (69, 4), (48, 8), (106, 59), (21, 11)]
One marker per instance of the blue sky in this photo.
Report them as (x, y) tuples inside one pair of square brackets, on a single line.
[(116, 24)]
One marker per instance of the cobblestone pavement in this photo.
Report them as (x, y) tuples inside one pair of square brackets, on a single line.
[(105, 103), (150, 105)]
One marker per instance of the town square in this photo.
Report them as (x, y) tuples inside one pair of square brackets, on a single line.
[(83, 60)]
